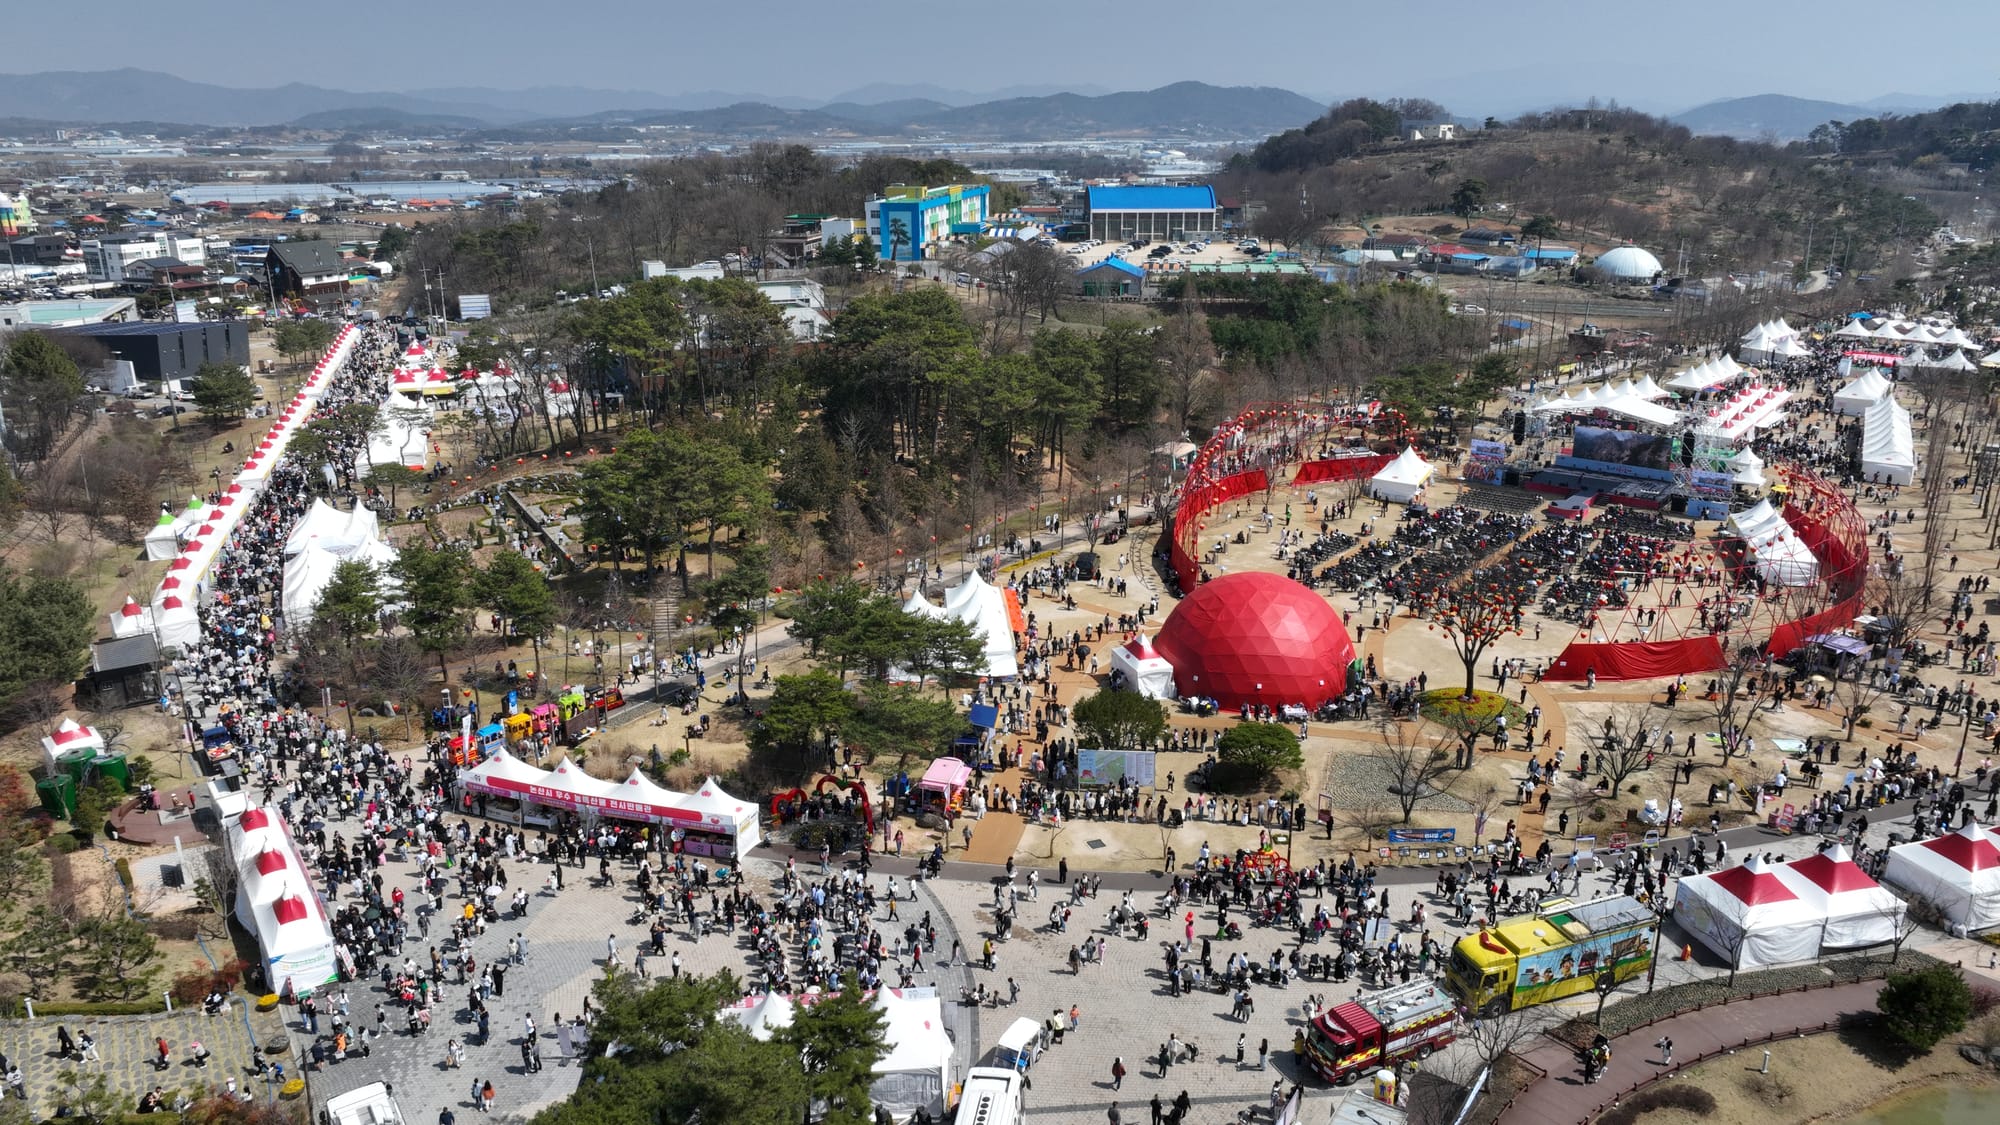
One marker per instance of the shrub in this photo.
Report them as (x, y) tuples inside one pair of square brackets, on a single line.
[(1248, 754), (1920, 1008), (64, 842), (1693, 1099)]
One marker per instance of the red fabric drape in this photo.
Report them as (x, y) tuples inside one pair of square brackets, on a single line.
[(1792, 634), (1341, 468), (1638, 660)]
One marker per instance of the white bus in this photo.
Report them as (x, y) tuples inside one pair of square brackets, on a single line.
[(991, 1097)]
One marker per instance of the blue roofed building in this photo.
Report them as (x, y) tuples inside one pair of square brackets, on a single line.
[(1119, 214), (1112, 277)]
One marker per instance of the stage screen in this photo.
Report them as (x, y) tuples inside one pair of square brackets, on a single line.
[(1624, 447)]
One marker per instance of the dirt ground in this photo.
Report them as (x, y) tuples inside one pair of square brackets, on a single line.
[(1797, 1091)]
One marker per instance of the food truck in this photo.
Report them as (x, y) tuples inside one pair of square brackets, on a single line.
[(1560, 950)]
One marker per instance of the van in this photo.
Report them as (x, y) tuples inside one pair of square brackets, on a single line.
[(991, 1097), (1015, 1045)]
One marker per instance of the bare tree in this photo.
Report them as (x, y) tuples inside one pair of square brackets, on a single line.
[(1623, 746), (1733, 703), (1187, 352), (1416, 768)]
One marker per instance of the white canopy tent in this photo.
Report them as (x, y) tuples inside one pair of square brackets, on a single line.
[(175, 622), (70, 735), (333, 530), (1855, 398), (1955, 361), (1748, 916), (1748, 468), (1857, 911), (1649, 390), (984, 607), (276, 901), (1991, 359), (1854, 330), (1640, 410), (1782, 557), (1958, 872), (917, 1067), (163, 539), (706, 818), (1400, 480), (131, 619), (1888, 450), (920, 606), (1146, 671), (1706, 376)]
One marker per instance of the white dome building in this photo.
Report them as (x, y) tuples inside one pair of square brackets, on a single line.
[(1629, 263)]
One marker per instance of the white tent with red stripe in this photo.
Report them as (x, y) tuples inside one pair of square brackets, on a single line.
[(1859, 911), (1749, 916), (70, 735), (1959, 872), (276, 901), (1146, 671)]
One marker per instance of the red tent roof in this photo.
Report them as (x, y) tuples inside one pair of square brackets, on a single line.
[(1833, 872), (1974, 853), (1255, 637), (1753, 885), (69, 732), (290, 908), (270, 861), (131, 608), (170, 601), (1142, 648), (254, 819)]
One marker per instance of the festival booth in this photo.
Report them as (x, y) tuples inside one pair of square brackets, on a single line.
[(1782, 556), (945, 785), (1748, 916), (69, 739), (1888, 450), (1400, 480), (1143, 668), (131, 619), (175, 622), (163, 541), (1706, 376), (399, 437), (1746, 411), (991, 612), (1857, 910), (916, 1070), (713, 823), (1747, 469), (276, 901), (1855, 399), (331, 529), (1958, 872)]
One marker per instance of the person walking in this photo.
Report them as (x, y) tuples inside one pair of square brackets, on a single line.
[(486, 1097), (1158, 1114), (65, 1046), (163, 1057), (1263, 1054), (1666, 1045), (1112, 1115), (1241, 1039), (88, 1046), (1117, 1073), (610, 950), (447, 1117)]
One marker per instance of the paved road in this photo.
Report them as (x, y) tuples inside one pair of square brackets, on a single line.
[(1563, 1096)]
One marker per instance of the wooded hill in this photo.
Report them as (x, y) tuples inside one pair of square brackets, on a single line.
[(1604, 175)]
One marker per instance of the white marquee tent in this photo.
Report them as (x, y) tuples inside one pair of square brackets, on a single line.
[(1748, 916), (70, 735), (1400, 480), (1747, 468), (1146, 671), (333, 530), (1959, 872), (275, 900), (1857, 910), (917, 1067), (1888, 451), (1855, 398), (984, 607), (1782, 557), (1706, 376), (131, 619)]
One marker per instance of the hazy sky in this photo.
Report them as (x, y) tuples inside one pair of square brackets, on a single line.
[(1474, 55)]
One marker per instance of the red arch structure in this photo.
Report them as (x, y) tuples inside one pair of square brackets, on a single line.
[(1249, 452), (1823, 517)]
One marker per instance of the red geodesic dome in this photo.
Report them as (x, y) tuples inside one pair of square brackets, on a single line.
[(1257, 638)]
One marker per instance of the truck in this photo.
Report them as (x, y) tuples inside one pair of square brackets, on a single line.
[(1385, 1028), (373, 1104), (1562, 949)]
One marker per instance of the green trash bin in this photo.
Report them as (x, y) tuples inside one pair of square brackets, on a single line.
[(58, 795), (114, 766), (75, 763)]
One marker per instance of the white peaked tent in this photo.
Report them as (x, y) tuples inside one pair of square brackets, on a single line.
[(399, 437), (276, 901), (1854, 330), (307, 575), (763, 1016), (175, 622), (1855, 398), (1782, 557), (70, 735), (1959, 872), (1991, 359), (1888, 451), (1640, 410), (163, 541), (1748, 916), (916, 1069), (1858, 911), (1748, 468), (1956, 361), (1400, 480), (1146, 671), (921, 606), (131, 619), (984, 607), (1649, 390), (331, 529)]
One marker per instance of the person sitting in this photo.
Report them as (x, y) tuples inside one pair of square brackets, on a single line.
[(214, 1002), (152, 1102)]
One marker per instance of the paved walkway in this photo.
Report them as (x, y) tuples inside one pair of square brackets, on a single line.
[(1563, 1096), (125, 1048)]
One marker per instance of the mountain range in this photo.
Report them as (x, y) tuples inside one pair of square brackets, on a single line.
[(1787, 118)]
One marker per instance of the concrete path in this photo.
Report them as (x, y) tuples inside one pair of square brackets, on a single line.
[(1563, 1096)]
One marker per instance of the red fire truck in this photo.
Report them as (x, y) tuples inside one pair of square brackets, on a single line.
[(1382, 1029)]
